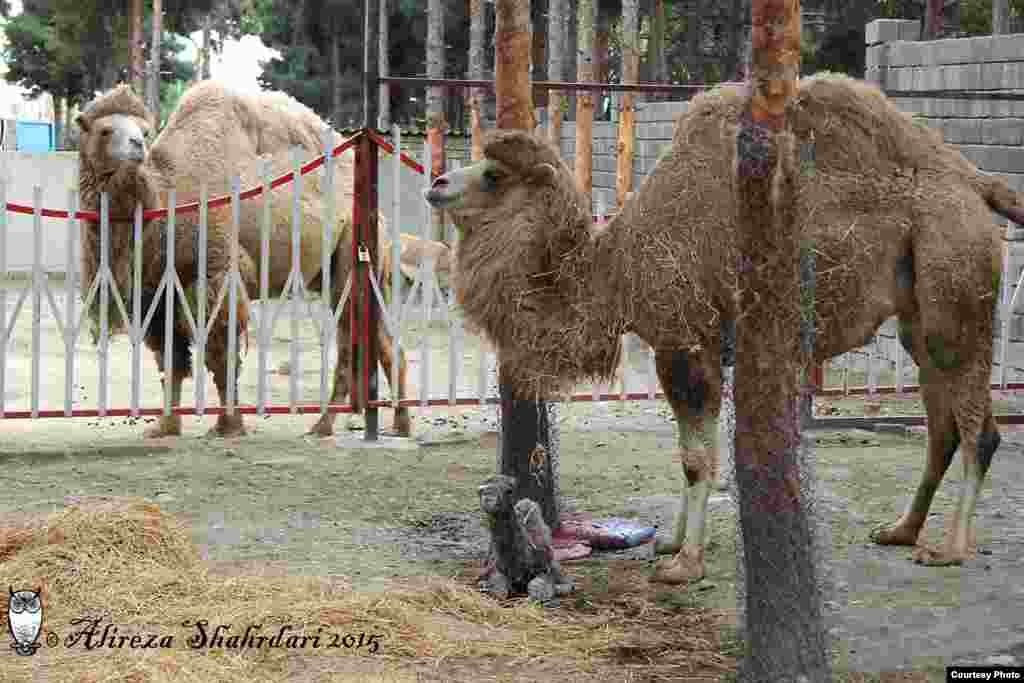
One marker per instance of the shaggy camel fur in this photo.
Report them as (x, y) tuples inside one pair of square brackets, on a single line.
[(216, 133), (113, 160), (901, 225)]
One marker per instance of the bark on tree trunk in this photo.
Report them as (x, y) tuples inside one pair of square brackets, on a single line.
[(630, 74), (1000, 17), (136, 47), (784, 627), (585, 100), (476, 72), (206, 53), (336, 78), (58, 122), (933, 20), (529, 443), (385, 68), (153, 77), (656, 45), (557, 39), (435, 102), (602, 26)]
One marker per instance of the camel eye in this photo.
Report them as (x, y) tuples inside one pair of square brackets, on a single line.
[(490, 179), (105, 132)]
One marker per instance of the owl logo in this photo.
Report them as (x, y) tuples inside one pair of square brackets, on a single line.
[(25, 617)]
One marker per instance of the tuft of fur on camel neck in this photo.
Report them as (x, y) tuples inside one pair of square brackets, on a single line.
[(544, 255)]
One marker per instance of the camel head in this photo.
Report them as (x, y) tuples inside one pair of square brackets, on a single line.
[(113, 130), (525, 263), (515, 165)]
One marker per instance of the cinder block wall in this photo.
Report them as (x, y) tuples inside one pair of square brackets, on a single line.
[(989, 132)]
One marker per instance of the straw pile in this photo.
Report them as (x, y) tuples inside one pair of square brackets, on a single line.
[(129, 564)]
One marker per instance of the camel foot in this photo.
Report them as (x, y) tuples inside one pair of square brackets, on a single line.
[(667, 547), (166, 425), (686, 567), (228, 426), (324, 427), (896, 535), (933, 557), (403, 423)]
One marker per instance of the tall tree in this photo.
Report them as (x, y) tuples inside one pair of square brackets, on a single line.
[(136, 45), (587, 14), (153, 77), (476, 72), (933, 20), (785, 631), (385, 68), (435, 101), (630, 74), (1000, 17), (558, 29)]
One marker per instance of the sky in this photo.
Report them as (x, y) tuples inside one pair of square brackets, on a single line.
[(237, 64)]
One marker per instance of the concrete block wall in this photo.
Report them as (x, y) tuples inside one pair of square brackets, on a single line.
[(989, 132)]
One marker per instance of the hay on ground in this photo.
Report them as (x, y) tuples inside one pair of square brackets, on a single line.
[(130, 564)]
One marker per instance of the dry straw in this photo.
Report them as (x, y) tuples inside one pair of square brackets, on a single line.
[(131, 564)]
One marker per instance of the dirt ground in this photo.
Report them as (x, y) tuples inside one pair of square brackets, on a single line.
[(277, 501)]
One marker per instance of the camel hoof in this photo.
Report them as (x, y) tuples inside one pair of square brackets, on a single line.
[(403, 424), (667, 547), (931, 557), (895, 535), (324, 427), (228, 427), (678, 570), (165, 426)]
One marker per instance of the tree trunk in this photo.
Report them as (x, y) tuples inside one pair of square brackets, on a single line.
[(336, 78), (476, 72), (135, 46), (656, 45), (529, 444), (1000, 17), (602, 27), (435, 102), (933, 20), (512, 45), (206, 53), (630, 74), (153, 77), (384, 122), (58, 122), (585, 100), (784, 626), (557, 39)]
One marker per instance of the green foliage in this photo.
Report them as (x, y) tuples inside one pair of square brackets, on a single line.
[(73, 48), (976, 15), (304, 41)]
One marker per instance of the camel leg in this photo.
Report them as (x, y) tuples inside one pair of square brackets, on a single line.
[(693, 387), (217, 360), (943, 441), (325, 425), (980, 441), (167, 425), (402, 421)]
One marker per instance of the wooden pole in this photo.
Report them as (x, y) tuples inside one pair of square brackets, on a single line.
[(435, 104), (366, 194), (784, 627), (476, 72), (630, 74), (585, 100), (558, 37)]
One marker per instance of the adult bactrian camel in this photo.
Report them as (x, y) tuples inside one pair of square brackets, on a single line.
[(215, 133), (113, 129), (901, 225)]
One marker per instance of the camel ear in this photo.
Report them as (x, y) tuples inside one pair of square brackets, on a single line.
[(543, 174), (82, 123)]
